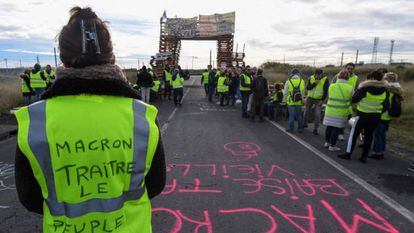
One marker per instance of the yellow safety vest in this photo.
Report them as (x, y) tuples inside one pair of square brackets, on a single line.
[(48, 76), (90, 155), (247, 81), (168, 76), (25, 88), (156, 86), (298, 83), (386, 116), (317, 91), (353, 80), (205, 77), (371, 103), (339, 100), (178, 82), (36, 80), (222, 87), (275, 97)]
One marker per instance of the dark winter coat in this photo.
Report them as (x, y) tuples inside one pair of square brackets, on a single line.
[(145, 79), (96, 80)]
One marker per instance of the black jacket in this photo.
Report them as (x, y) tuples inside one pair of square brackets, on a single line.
[(374, 88), (145, 79), (259, 86), (98, 80)]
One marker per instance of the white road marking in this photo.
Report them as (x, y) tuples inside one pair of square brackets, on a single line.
[(380, 195), (167, 123)]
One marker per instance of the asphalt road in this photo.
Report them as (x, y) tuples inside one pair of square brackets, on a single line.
[(227, 174)]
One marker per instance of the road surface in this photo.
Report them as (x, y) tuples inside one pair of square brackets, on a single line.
[(227, 174)]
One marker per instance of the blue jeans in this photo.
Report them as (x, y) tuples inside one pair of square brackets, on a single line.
[(38, 92), (29, 99), (380, 139), (295, 112), (245, 101)]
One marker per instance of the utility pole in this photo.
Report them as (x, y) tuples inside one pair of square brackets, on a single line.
[(314, 63), (54, 49), (342, 59), (5, 59), (20, 63), (37, 59), (375, 50), (210, 57), (138, 64), (284, 59), (391, 51), (356, 57)]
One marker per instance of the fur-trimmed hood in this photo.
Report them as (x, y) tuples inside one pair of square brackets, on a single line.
[(98, 80), (373, 83)]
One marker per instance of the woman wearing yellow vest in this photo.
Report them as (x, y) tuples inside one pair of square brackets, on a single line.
[(372, 99), (223, 87), (177, 85), (338, 109), (89, 155)]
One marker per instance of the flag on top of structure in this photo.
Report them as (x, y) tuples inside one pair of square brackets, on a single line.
[(164, 15)]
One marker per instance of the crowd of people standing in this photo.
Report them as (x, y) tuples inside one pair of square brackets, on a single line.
[(366, 107)]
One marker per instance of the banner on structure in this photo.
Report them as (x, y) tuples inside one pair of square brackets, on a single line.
[(204, 26)]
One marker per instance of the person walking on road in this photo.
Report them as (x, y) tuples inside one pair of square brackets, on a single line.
[(212, 84), (37, 81), (293, 94), (167, 78), (245, 90), (204, 79), (223, 88), (317, 87), (89, 155), (259, 91), (145, 82), (395, 99), (372, 99), (233, 85), (338, 109), (177, 85)]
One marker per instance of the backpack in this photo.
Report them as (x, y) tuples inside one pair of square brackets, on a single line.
[(296, 94), (395, 110)]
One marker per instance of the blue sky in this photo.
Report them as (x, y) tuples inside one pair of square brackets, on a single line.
[(301, 31)]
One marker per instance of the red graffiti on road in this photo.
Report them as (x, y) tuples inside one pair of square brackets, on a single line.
[(242, 151), (305, 223)]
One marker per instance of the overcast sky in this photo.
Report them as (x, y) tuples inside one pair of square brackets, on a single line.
[(299, 31)]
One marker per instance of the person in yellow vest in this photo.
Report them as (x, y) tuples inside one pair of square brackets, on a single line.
[(37, 81), (317, 87), (27, 90), (272, 107), (293, 95), (245, 89), (49, 75), (89, 158), (205, 80), (167, 78), (395, 99), (223, 88), (177, 85), (372, 99), (155, 89), (338, 109), (354, 81)]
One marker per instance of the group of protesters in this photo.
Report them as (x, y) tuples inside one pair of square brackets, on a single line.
[(367, 107), (35, 81), (153, 87)]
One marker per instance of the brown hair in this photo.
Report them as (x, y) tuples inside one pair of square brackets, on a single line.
[(70, 40), (343, 74)]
